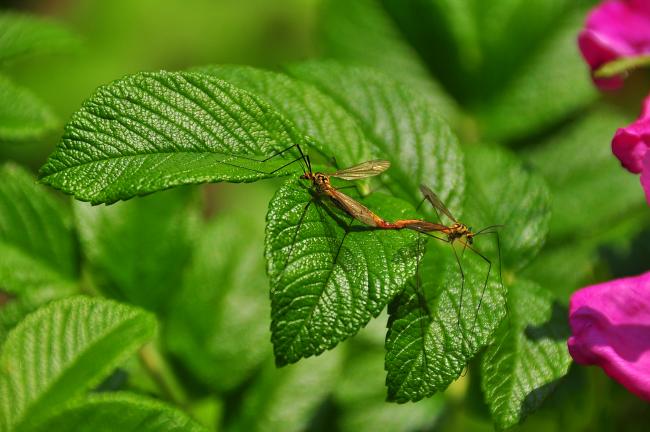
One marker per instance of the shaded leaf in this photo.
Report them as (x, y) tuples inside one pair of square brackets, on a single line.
[(590, 188), (400, 123), (136, 249), (550, 87), (361, 397), (328, 280), (37, 246), (22, 35), (361, 32), (286, 399), (528, 357), (22, 114), (501, 191), (153, 131), (218, 322), (63, 350), (119, 411)]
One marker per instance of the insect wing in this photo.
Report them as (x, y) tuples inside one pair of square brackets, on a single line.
[(436, 202), (363, 170), (355, 209)]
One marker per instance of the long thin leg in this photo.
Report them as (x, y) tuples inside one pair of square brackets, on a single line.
[(487, 277), (295, 236), (347, 230), (496, 233), (302, 157), (462, 292), (422, 306)]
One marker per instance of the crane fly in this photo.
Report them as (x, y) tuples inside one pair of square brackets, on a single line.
[(457, 232)]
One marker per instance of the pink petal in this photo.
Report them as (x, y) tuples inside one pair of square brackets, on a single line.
[(614, 29), (610, 326), (645, 177), (630, 144)]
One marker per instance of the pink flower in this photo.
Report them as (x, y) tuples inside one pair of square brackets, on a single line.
[(610, 326), (615, 29), (630, 145)]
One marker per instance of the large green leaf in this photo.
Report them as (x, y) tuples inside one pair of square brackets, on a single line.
[(218, 321), (287, 399), (328, 279), (400, 123), (61, 351), (37, 246), (335, 131), (136, 249), (528, 357), (22, 114), (430, 337), (501, 191), (119, 412), (22, 35), (153, 131), (361, 32), (590, 188)]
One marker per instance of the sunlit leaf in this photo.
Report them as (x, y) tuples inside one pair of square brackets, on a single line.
[(153, 131), (63, 350), (327, 278)]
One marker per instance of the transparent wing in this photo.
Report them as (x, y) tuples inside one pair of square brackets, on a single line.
[(355, 209), (363, 170), (436, 202)]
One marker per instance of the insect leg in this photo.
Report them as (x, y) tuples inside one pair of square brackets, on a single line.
[(295, 236), (462, 293), (487, 277), (422, 305)]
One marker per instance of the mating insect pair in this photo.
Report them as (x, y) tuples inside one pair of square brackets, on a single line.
[(454, 233)]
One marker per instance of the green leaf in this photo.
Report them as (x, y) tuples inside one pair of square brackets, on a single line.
[(22, 35), (328, 279), (153, 131), (37, 246), (22, 115), (590, 188), (286, 399), (361, 32), (513, 64), (361, 397), (550, 87), (219, 317), (63, 350), (316, 114), (501, 191), (528, 357), (430, 337), (135, 249), (119, 411), (400, 123)]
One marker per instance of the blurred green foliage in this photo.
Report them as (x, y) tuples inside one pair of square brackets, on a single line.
[(505, 72)]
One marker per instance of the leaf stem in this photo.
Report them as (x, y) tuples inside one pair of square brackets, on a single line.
[(622, 65), (161, 373)]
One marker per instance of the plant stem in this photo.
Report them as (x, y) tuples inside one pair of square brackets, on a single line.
[(156, 365)]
